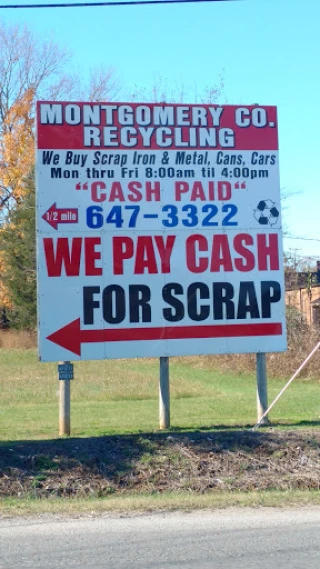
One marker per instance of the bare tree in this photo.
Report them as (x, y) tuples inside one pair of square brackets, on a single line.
[(26, 63), (164, 91), (32, 69)]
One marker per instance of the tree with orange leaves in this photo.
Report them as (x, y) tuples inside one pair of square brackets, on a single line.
[(29, 70), (18, 256), (16, 150), (17, 160)]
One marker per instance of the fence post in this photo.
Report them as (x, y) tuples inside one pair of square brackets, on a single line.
[(262, 389), (64, 406), (164, 394)]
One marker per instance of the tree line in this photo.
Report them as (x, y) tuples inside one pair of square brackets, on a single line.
[(32, 69)]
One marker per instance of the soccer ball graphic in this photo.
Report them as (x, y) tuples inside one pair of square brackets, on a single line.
[(266, 213)]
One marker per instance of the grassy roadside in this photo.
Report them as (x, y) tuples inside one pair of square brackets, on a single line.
[(128, 505), (216, 468), (117, 461), (122, 397)]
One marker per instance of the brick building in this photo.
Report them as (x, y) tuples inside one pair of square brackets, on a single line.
[(303, 293)]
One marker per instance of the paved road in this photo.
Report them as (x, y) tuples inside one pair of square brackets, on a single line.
[(227, 539)]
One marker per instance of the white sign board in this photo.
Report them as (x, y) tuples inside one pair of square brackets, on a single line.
[(159, 230)]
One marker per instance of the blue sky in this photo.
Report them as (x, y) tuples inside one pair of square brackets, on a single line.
[(268, 52)]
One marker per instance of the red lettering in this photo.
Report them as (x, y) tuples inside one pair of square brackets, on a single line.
[(165, 251), (196, 264), (55, 259), (96, 194), (220, 256), (204, 193), (179, 189), (134, 187), (197, 192), (211, 191), (224, 191), (268, 251), (122, 249), (91, 255), (145, 257), (247, 262), (153, 191), (116, 192)]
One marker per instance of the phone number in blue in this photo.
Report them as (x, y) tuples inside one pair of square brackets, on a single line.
[(189, 215)]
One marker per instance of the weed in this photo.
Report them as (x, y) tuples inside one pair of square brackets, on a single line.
[(43, 463)]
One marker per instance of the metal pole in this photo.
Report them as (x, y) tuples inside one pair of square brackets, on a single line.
[(64, 406), (262, 389), (164, 394)]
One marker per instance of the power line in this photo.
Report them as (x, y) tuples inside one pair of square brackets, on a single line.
[(301, 238), (95, 4)]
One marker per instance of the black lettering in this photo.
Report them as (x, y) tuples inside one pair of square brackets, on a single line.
[(139, 296), (198, 291), (96, 159), (89, 304), (270, 292), (56, 173), (114, 308), (47, 157), (248, 303), (222, 301), (180, 157), (219, 157), (175, 313)]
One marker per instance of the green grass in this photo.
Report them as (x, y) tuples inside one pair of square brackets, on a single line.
[(122, 397), (156, 502)]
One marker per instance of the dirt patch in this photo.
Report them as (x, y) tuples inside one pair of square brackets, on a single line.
[(196, 461)]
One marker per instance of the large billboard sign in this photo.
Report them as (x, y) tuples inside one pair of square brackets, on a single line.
[(159, 230)]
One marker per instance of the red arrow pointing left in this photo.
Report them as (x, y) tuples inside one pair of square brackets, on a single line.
[(55, 215), (71, 336)]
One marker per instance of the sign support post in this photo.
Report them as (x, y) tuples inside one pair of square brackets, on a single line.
[(262, 389), (164, 394), (64, 404)]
